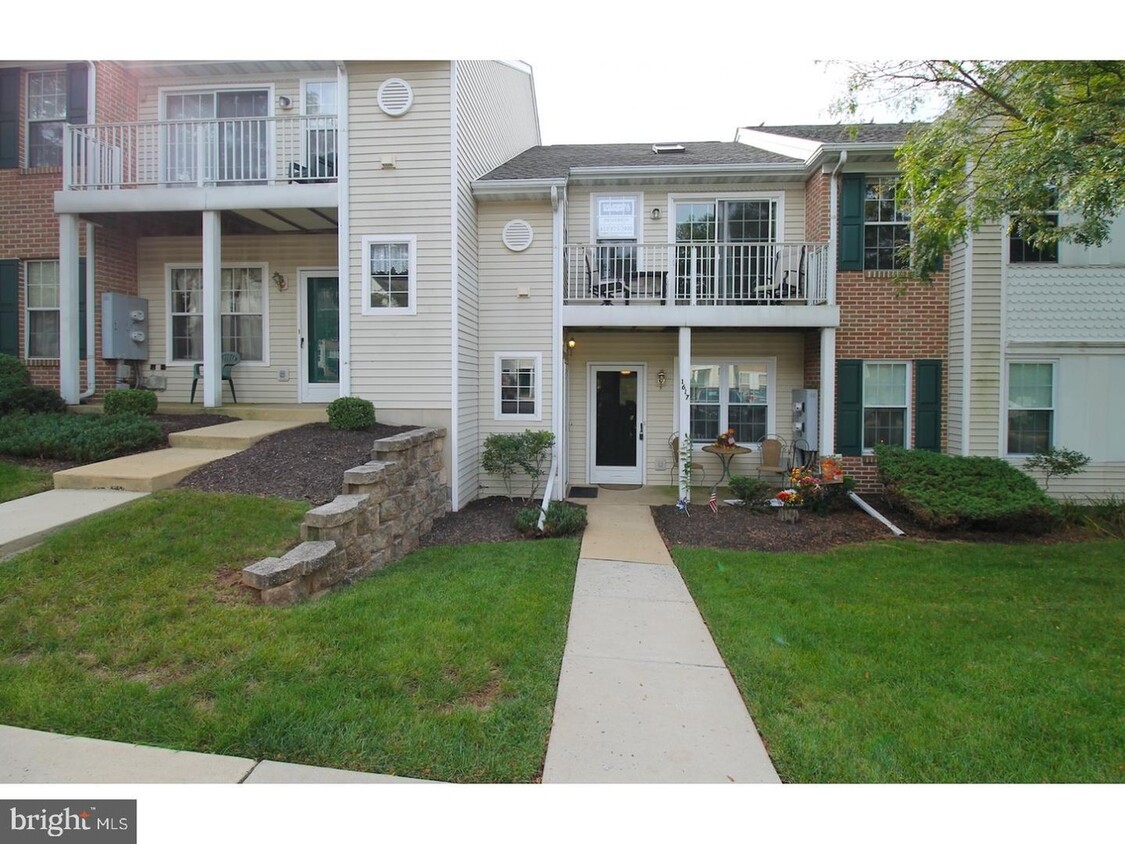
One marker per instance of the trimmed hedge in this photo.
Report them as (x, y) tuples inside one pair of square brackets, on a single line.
[(351, 413), (13, 373), (83, 439), (139, 402), (949, 492), (31, 400)]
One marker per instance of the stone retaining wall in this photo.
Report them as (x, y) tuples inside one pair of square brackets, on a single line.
[(387, 506)]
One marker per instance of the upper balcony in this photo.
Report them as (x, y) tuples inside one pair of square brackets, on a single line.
[(264, 162), (698, 284)]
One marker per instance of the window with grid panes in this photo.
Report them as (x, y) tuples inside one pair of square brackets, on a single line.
[(519, 386), (729, 395), (886, 226), (885, 399), (241, 307), (42, 298), (1031, 407), (46, 117), (390, 275)]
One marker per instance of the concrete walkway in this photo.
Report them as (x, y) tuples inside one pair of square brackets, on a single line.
[(644, 696)]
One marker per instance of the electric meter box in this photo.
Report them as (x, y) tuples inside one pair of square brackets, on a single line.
[(806, 417), (124, 327)]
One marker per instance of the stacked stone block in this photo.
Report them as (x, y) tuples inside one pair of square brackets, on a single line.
[(388, 504)]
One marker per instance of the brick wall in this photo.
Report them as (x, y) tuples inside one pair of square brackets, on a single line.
[(29, 227)]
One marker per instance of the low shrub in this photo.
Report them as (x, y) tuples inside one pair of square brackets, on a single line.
[(31, 399), (562, 520), (950, 492), (751, 490), (82, 439), (351, 413), (13, 373), (1105, 516), (139, 402), (528, 452)]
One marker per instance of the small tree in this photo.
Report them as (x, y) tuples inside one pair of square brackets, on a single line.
[(506, 454), (1056, 462)]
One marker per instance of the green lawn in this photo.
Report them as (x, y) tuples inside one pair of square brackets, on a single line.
[(16, 481), (926, 662), (443, 666)]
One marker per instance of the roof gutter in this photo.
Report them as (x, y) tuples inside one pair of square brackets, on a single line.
[(500, 188), (608, 173)]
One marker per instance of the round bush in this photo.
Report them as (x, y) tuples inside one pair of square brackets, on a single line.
[(13, 373), (31, 400), (351, 414), (139, 402)]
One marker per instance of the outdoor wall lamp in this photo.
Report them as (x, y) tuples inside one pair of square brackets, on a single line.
[(660, 378), (656, 213), (570, 344), (279, 280)]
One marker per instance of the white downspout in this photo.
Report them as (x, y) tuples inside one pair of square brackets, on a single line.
[(90, 355), (559, 363)]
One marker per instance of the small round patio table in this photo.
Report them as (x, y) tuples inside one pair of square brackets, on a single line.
[(725, 453)]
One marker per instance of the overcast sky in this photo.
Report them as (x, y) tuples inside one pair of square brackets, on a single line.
[(612, 71)]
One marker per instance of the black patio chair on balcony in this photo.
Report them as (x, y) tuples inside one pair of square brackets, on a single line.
[(599, 286)]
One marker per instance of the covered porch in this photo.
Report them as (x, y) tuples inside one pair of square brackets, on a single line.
[(631, 396)]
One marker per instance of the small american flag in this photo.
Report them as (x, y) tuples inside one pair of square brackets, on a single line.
[(713, 502)]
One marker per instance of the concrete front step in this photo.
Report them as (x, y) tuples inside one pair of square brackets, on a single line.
[(237, 435), (146, 472)]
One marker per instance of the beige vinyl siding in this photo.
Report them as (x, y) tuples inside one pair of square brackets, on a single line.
[(579, 214), (658, 350), (510, 323), (255, 382), (401, 362), (956, 358), (985, 400), (495, 121)]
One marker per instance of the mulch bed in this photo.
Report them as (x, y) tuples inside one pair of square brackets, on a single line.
[(484, 520), (306, 463)]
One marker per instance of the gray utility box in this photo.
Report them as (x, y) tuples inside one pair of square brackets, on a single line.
[(124, 327), (806, 417)]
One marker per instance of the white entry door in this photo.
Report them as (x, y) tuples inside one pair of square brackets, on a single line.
[(616, 423), (318, 329)]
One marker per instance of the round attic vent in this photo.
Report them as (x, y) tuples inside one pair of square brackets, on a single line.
[(395, 97), (518, 235)]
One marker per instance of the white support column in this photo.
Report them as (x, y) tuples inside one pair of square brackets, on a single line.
[(683, 399), (68, 308), (212, 322), (827, 391)]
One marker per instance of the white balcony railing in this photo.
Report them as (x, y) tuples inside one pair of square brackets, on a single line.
[(236, 151), (677, 274)]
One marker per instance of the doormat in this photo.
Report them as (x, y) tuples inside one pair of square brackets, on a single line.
[(583, 492), (620, 486)]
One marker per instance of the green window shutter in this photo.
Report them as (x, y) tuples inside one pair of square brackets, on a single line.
[(82, 308), (9, 118), (849, 407), (77, 93), (850, 256), (927, 405), (10, 308)]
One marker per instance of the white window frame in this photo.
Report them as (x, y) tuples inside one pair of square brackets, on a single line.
[(264, 267), (412, 275), (907, 415), (777, 197), (498, 361), (893, 178), (1054, 408), (29, 121), (29, 310), (724, 394)]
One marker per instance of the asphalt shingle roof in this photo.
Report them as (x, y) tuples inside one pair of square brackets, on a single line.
[(556, 162), (844, 133)]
